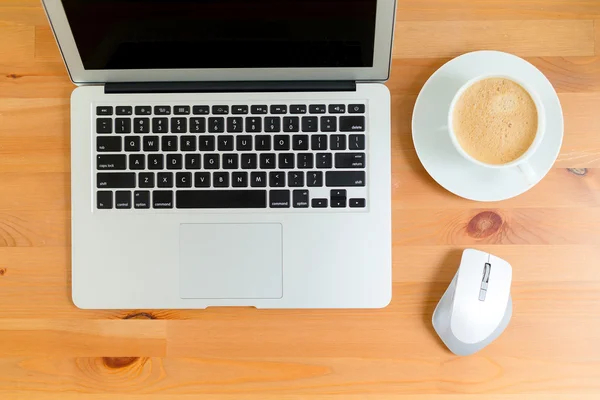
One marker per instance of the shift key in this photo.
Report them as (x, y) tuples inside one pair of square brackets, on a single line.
[(115, 180), (345, 178)]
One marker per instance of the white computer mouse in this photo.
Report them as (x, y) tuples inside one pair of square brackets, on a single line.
[(477, 306)]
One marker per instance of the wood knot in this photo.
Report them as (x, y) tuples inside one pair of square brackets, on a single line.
[(578, 171), (140, 315), (484, 224), (14, 76), (119, 362), (2, 271)]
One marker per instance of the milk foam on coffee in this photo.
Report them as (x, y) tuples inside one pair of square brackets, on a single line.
[(495, 120)]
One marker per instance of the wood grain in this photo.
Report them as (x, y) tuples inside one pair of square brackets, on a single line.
[(51, 350)]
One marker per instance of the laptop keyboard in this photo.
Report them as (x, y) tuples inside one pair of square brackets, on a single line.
[(251, 156)]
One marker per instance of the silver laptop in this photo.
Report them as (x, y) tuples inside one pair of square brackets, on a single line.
[(229, 152)]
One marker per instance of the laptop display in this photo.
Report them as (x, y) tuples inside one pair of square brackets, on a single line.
[(201, 34)]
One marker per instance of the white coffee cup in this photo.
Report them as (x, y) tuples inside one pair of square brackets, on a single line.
[(521, 162)]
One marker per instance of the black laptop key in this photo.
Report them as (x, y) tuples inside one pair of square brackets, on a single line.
[(338, 198), (137, 162), (314, 179), (337, 108), (141, 199), (319, 203), (243, 143), (202, 179), (183, 179), (262, 142), (310, 124), (155, 161), (239, 179), (279, 199), (277, 179), (122, 199), (279, 109), (328, 124), (221, 199), (115, 180), (162, 110), (272, 124), (337, 142), (201, 110), (249, 161), (220, 110), (318, 142), (230, 161), (111, 162), (103, 125), (104, 110), (281, 142), (324, 160), (291, 124), (122, 125), (267, 161), (300, 142), (253, 124), (300, 198), (179, 125), (160, 125), (235, 124), (352, 124), (285, 161), (165, 179), (162, 199), (150, 143), (357, 203), (356, 142), (146, 180), (258, 179), (317, 109), (356, 108), (169, 143), (305, 160), (141, 125), (225, 143), (197, 125), (187, 143), (298, 109), (124, 110), (295, 178), (174, 161), (211, 161), (216, 124), (221, 179), (206, 143), (258, 109), (181, 110), (239, 110), (344, 178), (192, 161), (350, 160), (132, 143), (104, 200), (143, 110)]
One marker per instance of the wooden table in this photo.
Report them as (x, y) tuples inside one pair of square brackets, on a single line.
[(49, 349)]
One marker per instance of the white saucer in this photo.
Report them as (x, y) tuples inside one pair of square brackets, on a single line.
[(432, 142)]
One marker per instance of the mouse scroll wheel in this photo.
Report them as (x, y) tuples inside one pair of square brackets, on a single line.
[(484, 282)]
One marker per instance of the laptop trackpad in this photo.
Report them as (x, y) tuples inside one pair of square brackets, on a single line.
[(230, 261)]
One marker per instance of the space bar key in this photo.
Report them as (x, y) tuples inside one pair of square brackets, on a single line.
[(221, 199)]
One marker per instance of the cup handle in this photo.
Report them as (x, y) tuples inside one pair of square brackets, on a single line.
[(529, 172)]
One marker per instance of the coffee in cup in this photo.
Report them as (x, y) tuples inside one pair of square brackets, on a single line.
[(495, 120)]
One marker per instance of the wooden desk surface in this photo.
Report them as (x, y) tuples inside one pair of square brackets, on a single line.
[(51, 350)]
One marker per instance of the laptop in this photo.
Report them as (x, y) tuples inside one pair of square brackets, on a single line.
[(229, 152)]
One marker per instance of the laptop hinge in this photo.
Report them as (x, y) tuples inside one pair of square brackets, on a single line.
[(229, 87)]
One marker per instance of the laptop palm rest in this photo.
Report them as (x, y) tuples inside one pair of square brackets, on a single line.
[(231, 261)]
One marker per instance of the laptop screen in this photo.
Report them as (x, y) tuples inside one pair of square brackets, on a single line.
[(190, 34)]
